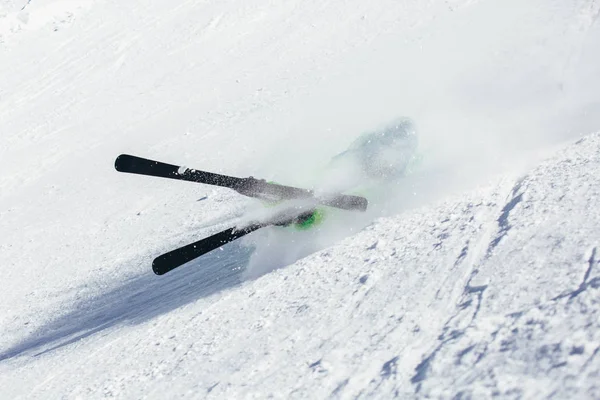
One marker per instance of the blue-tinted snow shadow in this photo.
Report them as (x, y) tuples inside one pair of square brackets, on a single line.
[(138, 300)]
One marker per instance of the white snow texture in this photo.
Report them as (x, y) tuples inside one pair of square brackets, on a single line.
[(477, 276)]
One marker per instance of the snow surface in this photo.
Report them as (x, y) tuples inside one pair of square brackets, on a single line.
[(478, 276)]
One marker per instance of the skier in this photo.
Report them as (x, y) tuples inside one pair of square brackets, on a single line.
[(373, 161), (370, 164), (382, 155)]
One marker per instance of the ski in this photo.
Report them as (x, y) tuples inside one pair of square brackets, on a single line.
[(250, 187), (176, 258)]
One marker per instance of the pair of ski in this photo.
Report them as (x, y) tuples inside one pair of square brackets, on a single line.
[(251, 187)]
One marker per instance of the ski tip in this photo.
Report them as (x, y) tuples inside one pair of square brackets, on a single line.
[(122, 162), (159, 267), (364, 204), (171, 260), (353, 203)]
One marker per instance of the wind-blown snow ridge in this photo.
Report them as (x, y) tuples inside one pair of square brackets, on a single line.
[(542, 339)]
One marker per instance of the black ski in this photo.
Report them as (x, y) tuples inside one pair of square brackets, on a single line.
[(250, 187), (176, 258)]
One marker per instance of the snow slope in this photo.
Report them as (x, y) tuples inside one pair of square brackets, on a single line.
[(476, 283)]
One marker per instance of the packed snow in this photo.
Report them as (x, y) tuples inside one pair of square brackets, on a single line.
[(477, 276)]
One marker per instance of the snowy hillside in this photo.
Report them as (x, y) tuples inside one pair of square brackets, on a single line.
[(478, 278)]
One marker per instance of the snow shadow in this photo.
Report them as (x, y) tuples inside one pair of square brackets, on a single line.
[(139, 299)]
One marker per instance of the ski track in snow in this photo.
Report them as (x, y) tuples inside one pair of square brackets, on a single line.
[(484, 284)]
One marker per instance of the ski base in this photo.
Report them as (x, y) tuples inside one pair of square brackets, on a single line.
[(251, 187), (178, 257)]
